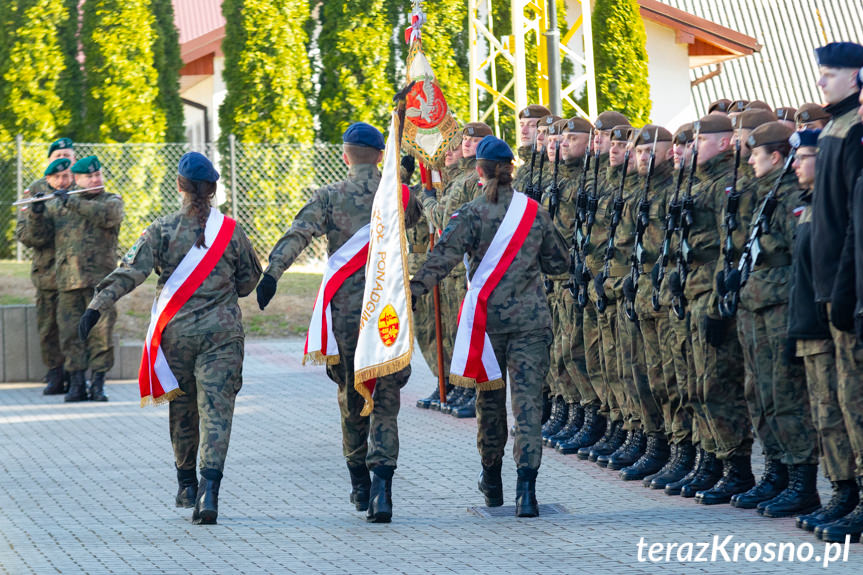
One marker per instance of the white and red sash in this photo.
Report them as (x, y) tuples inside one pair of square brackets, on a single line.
[(473, 360), (157, 381)]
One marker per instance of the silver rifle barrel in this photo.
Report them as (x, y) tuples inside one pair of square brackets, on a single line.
[(49, 196)]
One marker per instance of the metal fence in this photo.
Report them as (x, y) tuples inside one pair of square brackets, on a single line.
[(262, 185)]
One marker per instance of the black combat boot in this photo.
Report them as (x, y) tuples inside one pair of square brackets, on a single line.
[(525, 494), (628, 455), (675, 487), (556, 419), (454, 399), (54, 377), (600, 446), (435, 403), (97, 387), (849, 525), (600, 456), (677, 468), (467, 408), (207, 505), (710, 473), (736, 478), (574, 421), (188, 488), (491, 485), (591, 430), (77, 387), (426, 402), (772, 482), (381, 495), (656, 455), (672, 458), (844, 499), (801, 495), (360, 485)]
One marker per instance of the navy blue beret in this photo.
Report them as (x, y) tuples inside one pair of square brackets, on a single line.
[(840, 55), (362, 134), (196, 166), (491, 148), (805, 138)]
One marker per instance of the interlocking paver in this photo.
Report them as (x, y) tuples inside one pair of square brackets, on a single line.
[(88, 488)]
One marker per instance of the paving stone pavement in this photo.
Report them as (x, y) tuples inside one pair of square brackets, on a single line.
[(88, 488)]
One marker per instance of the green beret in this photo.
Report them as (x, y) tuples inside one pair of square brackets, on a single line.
[(713, 124), (534, 111), (651, 132), (770, 133), (61, 144), (609, 119), (58, 165), (87, 165)]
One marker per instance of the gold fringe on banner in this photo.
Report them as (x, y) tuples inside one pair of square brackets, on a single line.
[(317, 358), (381, 370), (471, 383), (165, 398)]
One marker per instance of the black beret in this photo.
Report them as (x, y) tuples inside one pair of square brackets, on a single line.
[(609, 119), (534, 111), (61, 144), (840, 55), (87, 165), (477, 130), (196, 166), (770, 133), (362, 134), (491, 148), (58, 165)]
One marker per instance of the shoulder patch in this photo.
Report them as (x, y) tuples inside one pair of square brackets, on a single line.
[(132, 254)]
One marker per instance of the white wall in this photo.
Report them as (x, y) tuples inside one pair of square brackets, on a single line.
[(668, 74)]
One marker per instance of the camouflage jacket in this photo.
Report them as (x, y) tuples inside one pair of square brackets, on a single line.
[(518, 302), (462, 188), (522, 173), (569, 177), (418, 238), (85, 237), (163, 245), (40, 238), (770, 281)]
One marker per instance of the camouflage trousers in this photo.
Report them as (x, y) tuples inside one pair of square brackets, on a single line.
[(209, 370), (97, 352), (452, 292), (525, 357), (837, 459), (49, 332), (719, 383), (595, 363), (775, 391), (632, 372), (563, 371), (424, 322), (849, 371), (661, 406), (612, 370), (684, 373)]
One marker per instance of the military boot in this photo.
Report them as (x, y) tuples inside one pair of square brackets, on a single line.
[(467, 408), (435, 404), (381, 495), (426, 402), (207, 504), (850, 525), (491, 485), (656, 455), (360, 485), (525, 494), (54, 377), (710, 473), (675, 487), (97, 387), (591, 430), (574, 421), (672, 458), (772, 482), (629, 454), (607, 444), (845, 498), (682, 464), (801, 495), (736, 478), (187, 492), (77, 387), (556, 419), (454, 399)]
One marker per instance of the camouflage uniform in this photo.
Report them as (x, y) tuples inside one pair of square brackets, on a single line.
[(338, 211), (43, 276), (85, 242), (775, 391), (203, 343), (519, 324)]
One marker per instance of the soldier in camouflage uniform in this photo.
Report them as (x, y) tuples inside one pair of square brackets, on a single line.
[(338, 211), (811, 117), (85, 228), (528, 152), (518, 322), (204, 342), (775, 386), (42, 272)]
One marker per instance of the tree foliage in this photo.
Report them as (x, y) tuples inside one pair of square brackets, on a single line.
[(620, 57), (167, 60)]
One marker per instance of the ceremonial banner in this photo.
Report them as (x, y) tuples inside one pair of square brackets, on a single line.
[(386, 325)]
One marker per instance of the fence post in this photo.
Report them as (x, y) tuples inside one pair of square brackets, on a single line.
[(232, 140), (19, 183)]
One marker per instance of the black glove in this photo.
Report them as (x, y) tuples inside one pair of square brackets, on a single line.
[(714, 331), (720, 283), (418, 289), (266, 290), (39, 207), (62, 195), (674, 284), (88, 320), (430, 193), (629, 289)]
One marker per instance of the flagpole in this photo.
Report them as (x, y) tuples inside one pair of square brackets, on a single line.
[(425, 172)]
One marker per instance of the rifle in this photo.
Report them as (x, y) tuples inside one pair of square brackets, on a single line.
[(728, 305), (592, 205), (553, 201), (617, 210), (642, 220), (671, 222), (750, 256), (538, 190), (576, 263), (45, 198), (529, 189), (678, 302)]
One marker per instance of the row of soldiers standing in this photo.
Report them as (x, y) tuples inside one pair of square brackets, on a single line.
[(691, 251)]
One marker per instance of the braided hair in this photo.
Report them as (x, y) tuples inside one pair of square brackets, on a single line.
[(497, 174), (197, 194)]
